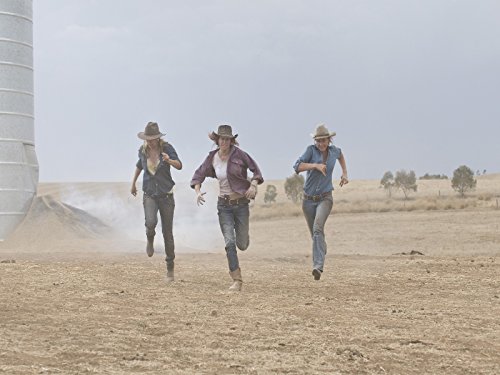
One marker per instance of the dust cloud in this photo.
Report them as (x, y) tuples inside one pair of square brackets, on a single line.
[(195, 228)]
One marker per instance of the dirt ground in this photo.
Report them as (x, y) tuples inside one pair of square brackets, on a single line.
[(85, 303)]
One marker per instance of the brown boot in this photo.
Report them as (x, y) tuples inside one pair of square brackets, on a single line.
[(238, 281)]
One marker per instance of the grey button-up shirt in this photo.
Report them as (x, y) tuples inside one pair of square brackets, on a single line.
[(161, 182)]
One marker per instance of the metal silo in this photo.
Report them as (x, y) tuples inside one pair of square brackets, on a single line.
[(18, 162)]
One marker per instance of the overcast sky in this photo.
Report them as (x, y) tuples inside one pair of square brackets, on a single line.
[(405, 84)]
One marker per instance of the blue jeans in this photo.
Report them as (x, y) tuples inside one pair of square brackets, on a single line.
[(233, 221), (165, 204), (316, 214)]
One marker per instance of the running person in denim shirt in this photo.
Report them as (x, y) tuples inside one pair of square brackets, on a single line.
[(229, 164), (319, 160), (155, 158)]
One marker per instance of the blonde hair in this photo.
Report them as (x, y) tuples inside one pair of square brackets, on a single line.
[(145, 146)]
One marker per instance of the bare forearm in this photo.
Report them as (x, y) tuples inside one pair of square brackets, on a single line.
[(136, 175), (175, 163), (343, 164), (306, 167)]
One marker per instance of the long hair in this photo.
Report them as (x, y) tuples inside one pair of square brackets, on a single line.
[(145, 147)]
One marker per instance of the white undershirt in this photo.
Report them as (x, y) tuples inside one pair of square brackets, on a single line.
[(220, 167)]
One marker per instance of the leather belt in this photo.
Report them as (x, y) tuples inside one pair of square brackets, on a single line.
[(232, 202), (317, 198)]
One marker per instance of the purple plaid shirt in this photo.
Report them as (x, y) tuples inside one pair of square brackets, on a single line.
[(238, 164)]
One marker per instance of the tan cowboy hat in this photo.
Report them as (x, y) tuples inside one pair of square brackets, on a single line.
[(150, 132), (223, 131), (322, 132)]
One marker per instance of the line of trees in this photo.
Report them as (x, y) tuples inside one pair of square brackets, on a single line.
[(294, 190), (428, 176), (404, 181), (462, 182)]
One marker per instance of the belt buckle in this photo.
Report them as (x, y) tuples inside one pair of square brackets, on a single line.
[(316, 198)]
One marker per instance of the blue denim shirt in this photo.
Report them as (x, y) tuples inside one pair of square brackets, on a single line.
[(161, 182), (316, 183)]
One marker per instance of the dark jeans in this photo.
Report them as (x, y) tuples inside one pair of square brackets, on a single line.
[(166, 205), (233, 221)]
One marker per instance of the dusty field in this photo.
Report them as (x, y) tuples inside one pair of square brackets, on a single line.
[(82, 297)]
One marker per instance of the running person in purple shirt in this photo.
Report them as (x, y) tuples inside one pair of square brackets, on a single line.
[(229, 165), (319, 160), (155, 159)]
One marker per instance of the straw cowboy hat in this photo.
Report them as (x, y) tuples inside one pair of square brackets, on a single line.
[(150, 132), (223, 131), (322, 132)]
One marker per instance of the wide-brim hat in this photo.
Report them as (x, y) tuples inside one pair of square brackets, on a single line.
[(223, 131), (322, 132), (152, 131)]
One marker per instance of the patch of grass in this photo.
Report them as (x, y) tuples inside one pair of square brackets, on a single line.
[(435, 203)]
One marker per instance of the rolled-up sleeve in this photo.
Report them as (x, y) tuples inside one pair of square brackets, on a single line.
[(172, 154), (139, 162), (254, 168), (304, 158), (339, 152)]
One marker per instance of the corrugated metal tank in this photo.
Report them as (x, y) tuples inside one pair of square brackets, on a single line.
[(18, 162)]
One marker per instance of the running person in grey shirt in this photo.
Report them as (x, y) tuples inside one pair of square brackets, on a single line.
[(155, 158)]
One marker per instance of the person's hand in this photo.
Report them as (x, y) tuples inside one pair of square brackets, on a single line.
[(133, 190), (344, 180), (200, 199), (321, 168), (165, 157), (251, 192)]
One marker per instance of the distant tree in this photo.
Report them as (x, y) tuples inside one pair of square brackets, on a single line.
[(463, 180), (294, 187), (428, 176), (270, 195), (484, 171), (478, 173), (406, 181), (387, 182)]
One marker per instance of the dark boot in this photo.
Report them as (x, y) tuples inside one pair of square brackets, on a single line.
[(316, 273), (170, 273), (149, 247)]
